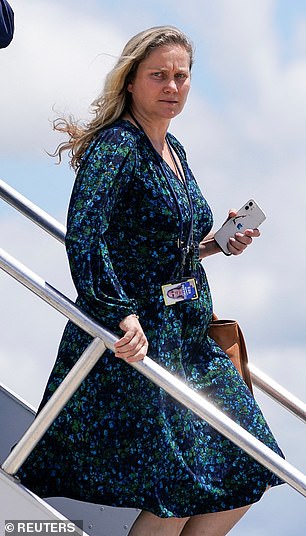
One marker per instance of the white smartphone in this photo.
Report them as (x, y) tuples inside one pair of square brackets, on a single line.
[(249, 216)]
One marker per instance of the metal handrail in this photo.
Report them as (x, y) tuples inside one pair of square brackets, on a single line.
[(58, 231), (54, 406), (32, 211), (160, 376), (278, 392)]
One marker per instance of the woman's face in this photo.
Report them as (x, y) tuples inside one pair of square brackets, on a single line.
[(175, 293), (161, 84)]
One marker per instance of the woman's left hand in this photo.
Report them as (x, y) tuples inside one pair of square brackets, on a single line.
[(133, 346), (241, 241)]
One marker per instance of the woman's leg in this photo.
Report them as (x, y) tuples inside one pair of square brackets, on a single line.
[(216, 524), (148, 524)]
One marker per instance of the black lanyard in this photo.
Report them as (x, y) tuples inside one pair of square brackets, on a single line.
[(187, 247), (182, 176)]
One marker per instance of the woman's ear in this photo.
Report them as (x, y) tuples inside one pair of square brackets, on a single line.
[(130, 87)]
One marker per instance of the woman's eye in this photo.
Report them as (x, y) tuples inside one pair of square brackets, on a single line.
[(162, 75)]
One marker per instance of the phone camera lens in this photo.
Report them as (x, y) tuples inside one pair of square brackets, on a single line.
[(251, 203), (247, 207)]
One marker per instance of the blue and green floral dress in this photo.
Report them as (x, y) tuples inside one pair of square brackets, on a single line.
[(121, 440)]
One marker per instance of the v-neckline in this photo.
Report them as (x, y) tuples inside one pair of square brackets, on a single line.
[(179, 171), (159, 156)]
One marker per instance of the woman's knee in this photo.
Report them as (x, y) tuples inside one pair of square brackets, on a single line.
[(151, 525), (214, 524)]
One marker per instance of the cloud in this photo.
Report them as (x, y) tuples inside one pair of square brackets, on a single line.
[(251, 144), (60, 64), (262, 105), (244, 132)]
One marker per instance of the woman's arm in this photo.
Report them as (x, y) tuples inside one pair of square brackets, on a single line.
[(108, 170), (209, 246)]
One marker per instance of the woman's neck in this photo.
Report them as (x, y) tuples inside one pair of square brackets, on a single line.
[(156, 131), (157, 136)]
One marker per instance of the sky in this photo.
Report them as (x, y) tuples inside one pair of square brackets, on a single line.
[(244, 132)]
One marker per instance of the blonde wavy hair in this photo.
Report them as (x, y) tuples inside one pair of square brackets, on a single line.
[(115, 99)]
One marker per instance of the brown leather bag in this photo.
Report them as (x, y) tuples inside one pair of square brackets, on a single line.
[(228, 335)]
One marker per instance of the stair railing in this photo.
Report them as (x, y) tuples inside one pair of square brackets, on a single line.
[(49, 224), (160, 376)]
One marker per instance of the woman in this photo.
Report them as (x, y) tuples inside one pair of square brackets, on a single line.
[(136, 223)]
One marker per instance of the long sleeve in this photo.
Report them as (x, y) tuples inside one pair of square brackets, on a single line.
[(99, 186), (6, 24)]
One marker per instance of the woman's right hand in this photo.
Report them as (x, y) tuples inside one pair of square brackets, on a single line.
[(133, 346)]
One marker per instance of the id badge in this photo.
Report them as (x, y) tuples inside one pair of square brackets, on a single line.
[(180, 291)]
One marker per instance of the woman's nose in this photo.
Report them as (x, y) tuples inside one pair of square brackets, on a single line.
[(171, 85)]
